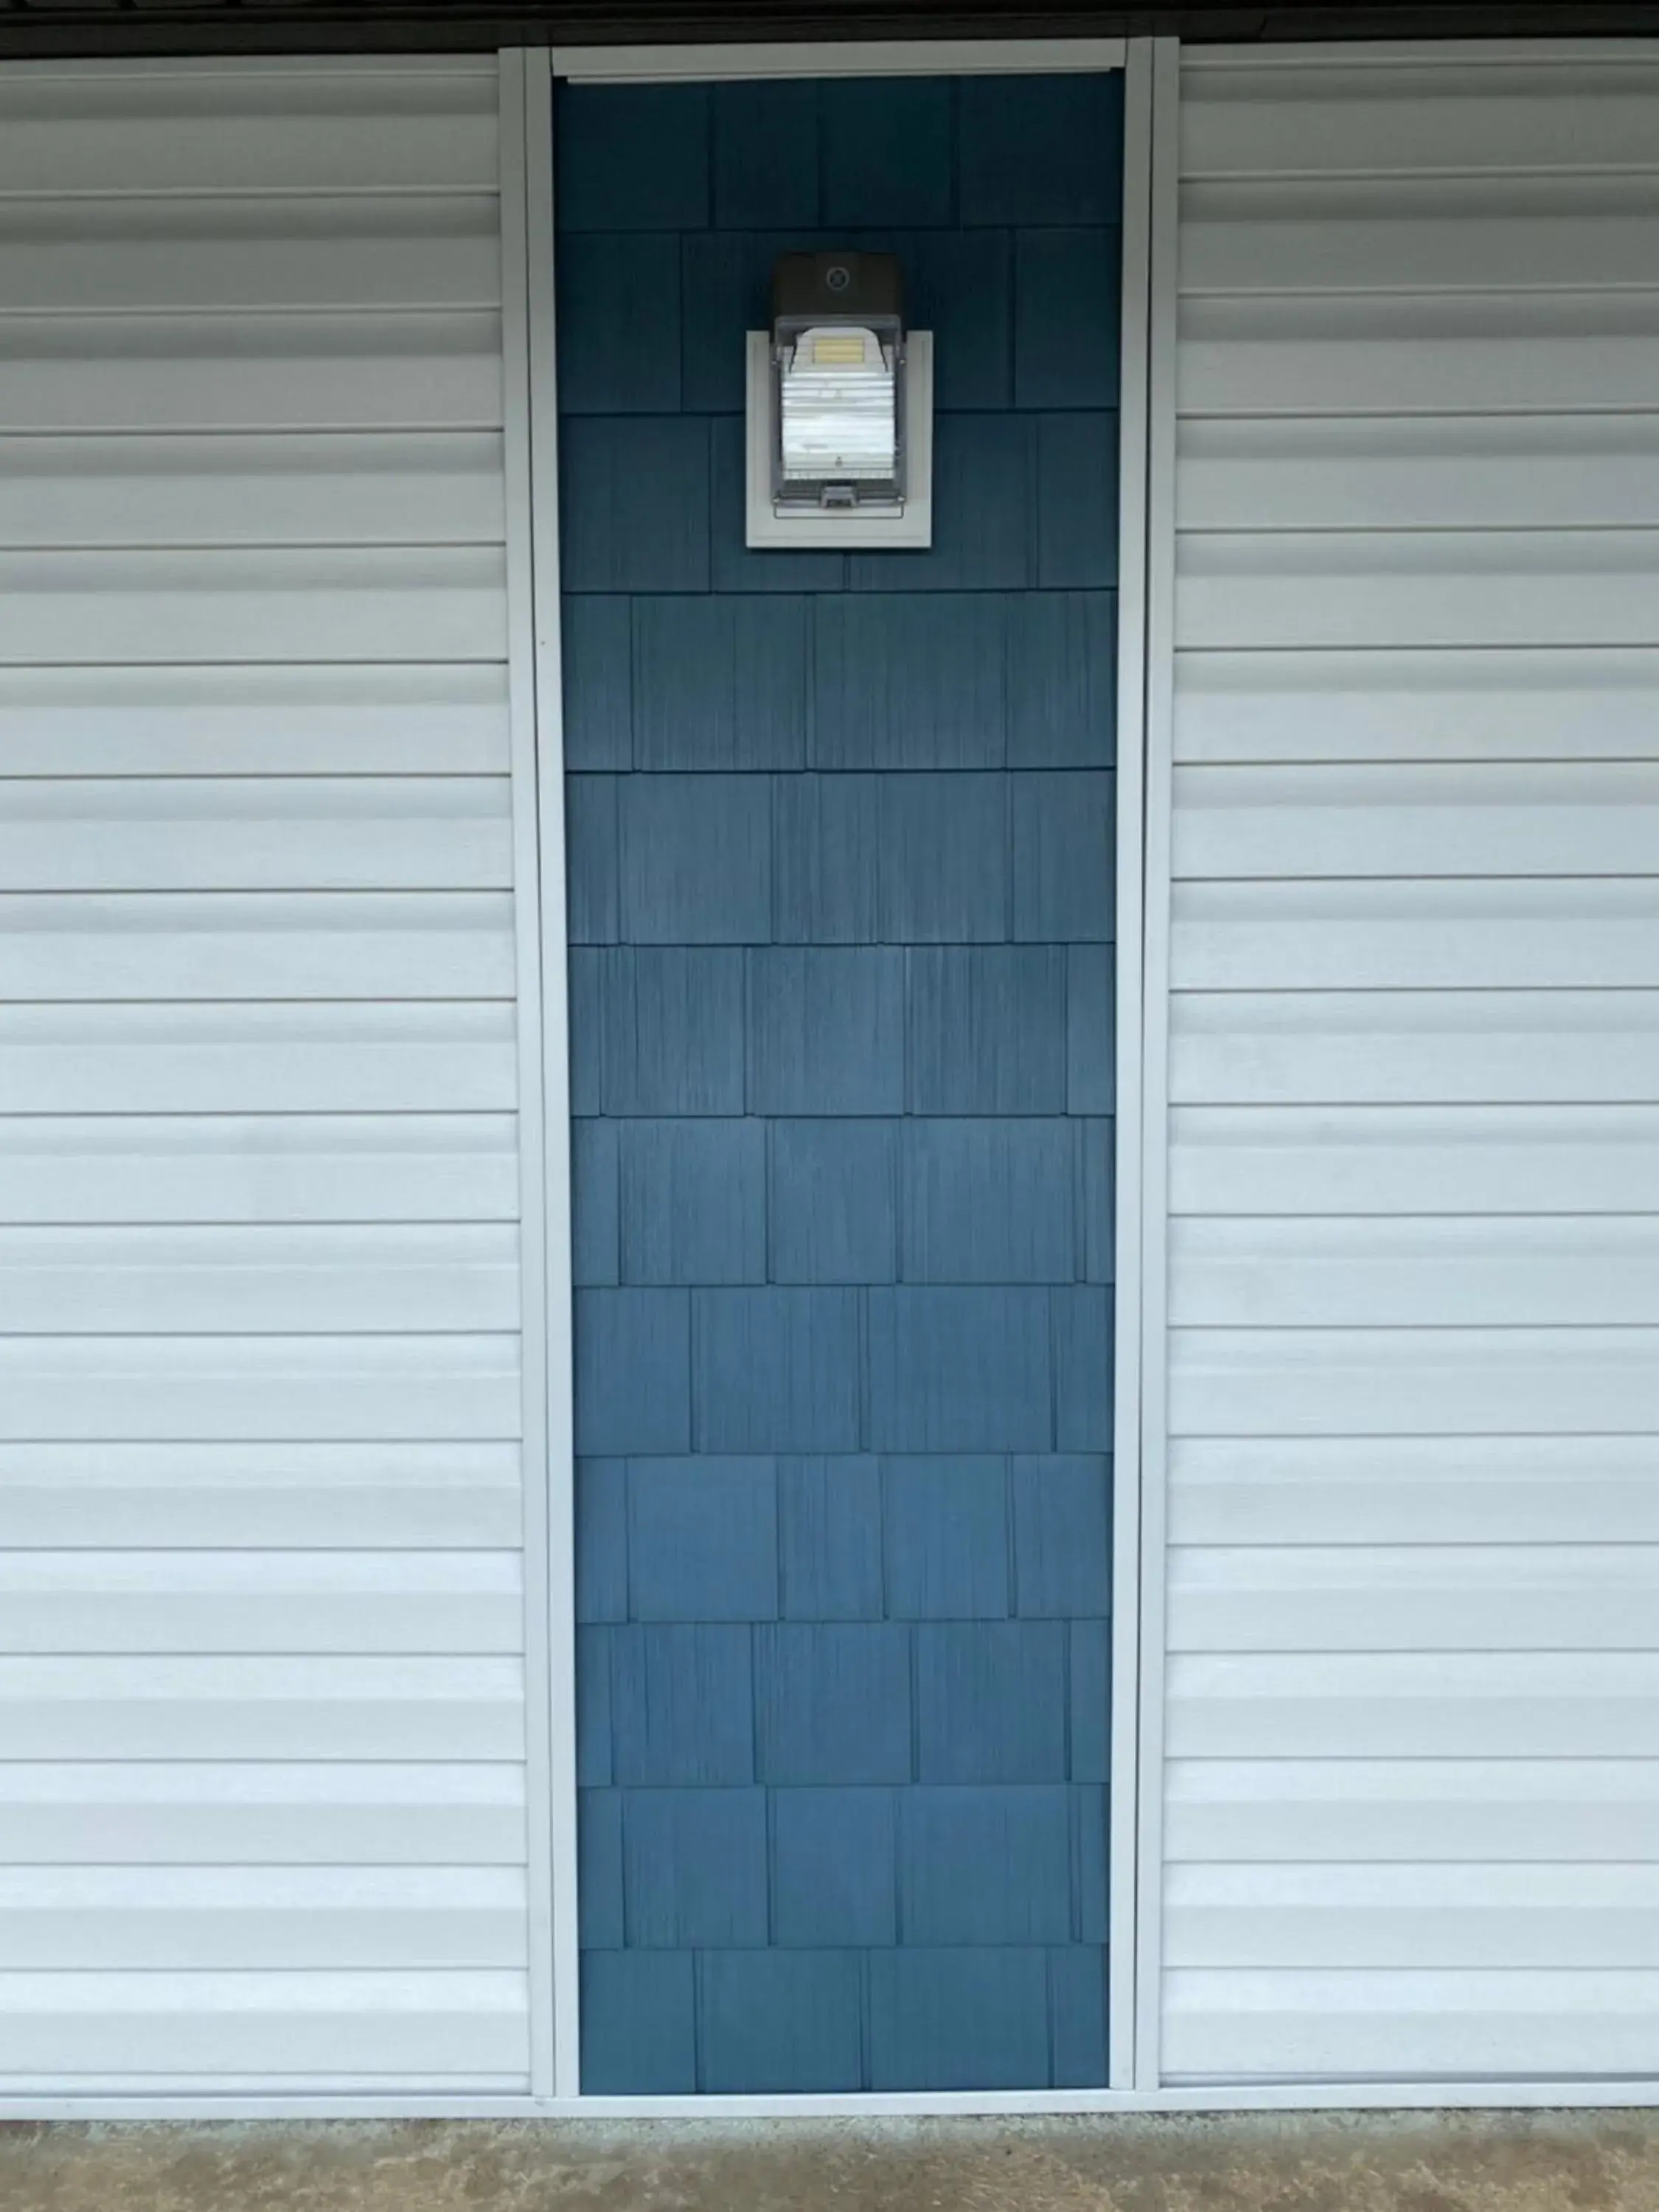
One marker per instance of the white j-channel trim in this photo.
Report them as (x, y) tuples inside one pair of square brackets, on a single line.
[(923, 2104), (538, 355), (714, 65), (1133, 410), (909, 530), (1153, 1185)]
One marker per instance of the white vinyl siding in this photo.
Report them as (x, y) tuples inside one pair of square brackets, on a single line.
[(1411, 1713), (263, 1736)]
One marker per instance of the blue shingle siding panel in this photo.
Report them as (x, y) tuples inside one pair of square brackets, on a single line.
[(991, 1701), (1063, 845), (986, 1865), (639, 2029), (1062, 679), (693, 1867), (595, 1244), (1062, 1537), (887, 151), (696, 854), (986, 1032), (826, 1030), (983, 469), (773, 2021), (598, 687), (910, 679), (944, 851), (833, 1703), (1089, 1846), (766, 155), (776, 1369), (592, 880), (830, 1538), (632, 1371), (1082, 1368), (673, 1030), (633, 503), (702, 1542), (682, 1701), (834, 1868), (1042, 150), (1065, 319), (989, 1202), (945, 1536), (826, 863), (1077, 501), (692, 1201), (720, 683), (595, 1763), (599, 1901), (1091, 1664), (619, 309), (639, 162), (834, 1201), (840, 910), (1077, 1995), (959, 2019), (601, 1539), (950, 1370)]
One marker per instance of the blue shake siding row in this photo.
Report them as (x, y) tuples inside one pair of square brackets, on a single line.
[(841, 916)]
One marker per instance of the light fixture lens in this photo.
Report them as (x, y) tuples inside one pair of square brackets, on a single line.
[(839, 408)]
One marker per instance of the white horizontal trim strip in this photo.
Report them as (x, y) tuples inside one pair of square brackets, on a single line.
[(714, 62)]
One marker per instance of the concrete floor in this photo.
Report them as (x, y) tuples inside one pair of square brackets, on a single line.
[(1531, 2162)]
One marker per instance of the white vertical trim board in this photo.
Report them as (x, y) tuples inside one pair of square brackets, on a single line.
[(1153, 1185), (542, 424), (1124, 1856), (543, 1114)]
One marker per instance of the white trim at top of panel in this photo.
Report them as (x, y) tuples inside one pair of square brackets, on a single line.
[(719, 64), (266, 69), (1436, 54)]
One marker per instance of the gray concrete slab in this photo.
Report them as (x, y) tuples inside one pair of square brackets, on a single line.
[(1522, 2162)]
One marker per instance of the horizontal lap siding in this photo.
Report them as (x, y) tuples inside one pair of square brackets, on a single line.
[(1415, 1073), (841, 855), (262, 1744)]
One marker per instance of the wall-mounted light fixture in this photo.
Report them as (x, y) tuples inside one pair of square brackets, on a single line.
[(841, 408)]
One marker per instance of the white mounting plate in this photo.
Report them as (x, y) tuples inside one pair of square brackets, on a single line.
[(909, 528)]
